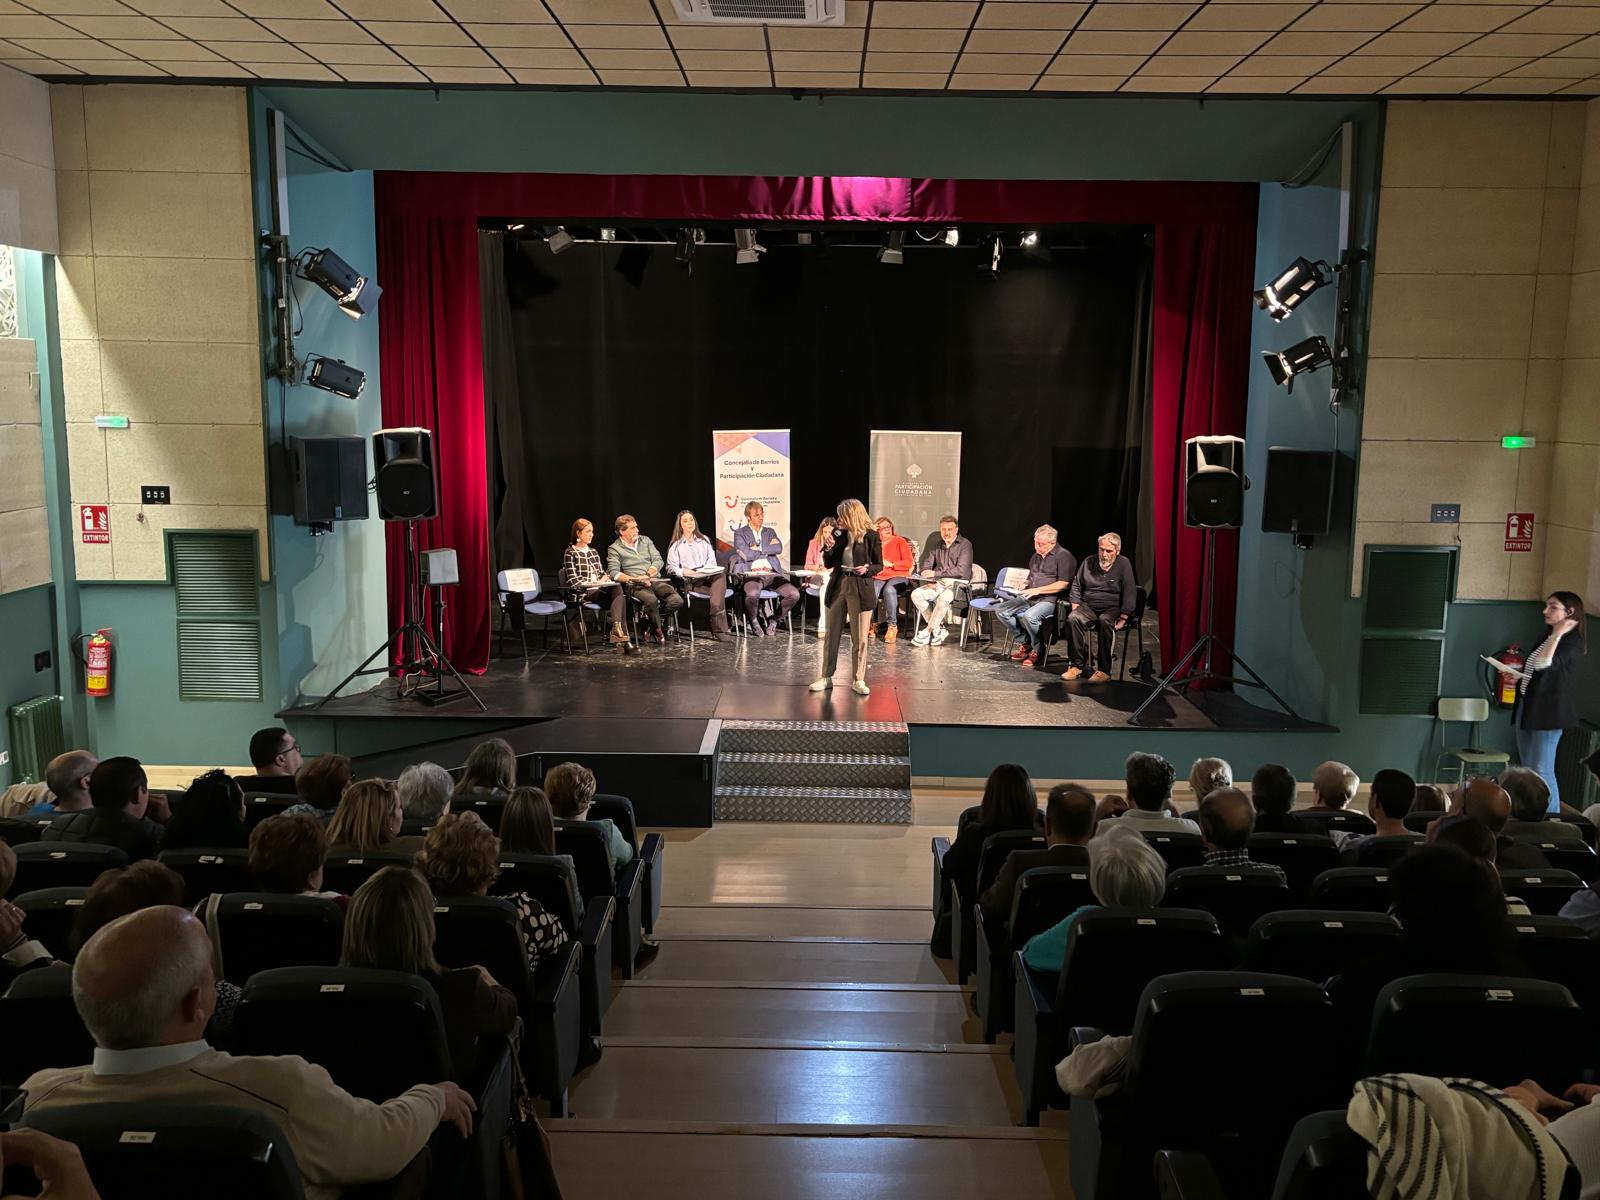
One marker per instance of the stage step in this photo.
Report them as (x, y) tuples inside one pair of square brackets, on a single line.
[(822, 805), (814, 770), (814, 737)]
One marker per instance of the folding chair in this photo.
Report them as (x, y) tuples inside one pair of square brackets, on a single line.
[(208, 872), (52, 912), (260, 931), (1316, 944), (518, 603), (43, 865)]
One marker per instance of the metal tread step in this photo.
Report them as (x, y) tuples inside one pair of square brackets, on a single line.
[(837, 726), (781, 756), (808, 792)]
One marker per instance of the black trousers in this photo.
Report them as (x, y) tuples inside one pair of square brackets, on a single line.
[(1103, 623), (652, 596)]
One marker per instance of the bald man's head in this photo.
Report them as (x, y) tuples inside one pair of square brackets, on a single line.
[(1226, 819), (145, 980), (1486, 802)]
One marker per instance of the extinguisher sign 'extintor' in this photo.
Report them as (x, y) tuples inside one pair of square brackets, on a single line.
[(1519, 531), (97, 664), (94, 523)]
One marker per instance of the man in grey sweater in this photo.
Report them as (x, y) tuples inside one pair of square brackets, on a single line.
[(1103, 597)]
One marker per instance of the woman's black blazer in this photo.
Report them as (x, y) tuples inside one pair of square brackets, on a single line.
[(1549, 702), (833, 555)]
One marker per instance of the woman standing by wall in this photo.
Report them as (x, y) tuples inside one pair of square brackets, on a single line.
[(853, 556), (1546, 703)]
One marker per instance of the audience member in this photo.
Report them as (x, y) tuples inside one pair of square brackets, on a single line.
[(1272, 790), (1227, 819), (570, 788), (147, 884), (1333, 787), (490, 770), (321, 784), (424, 792), (18, 952), (368, 819), (56, 1165), (67, 777), (275, 755), (1069, 821), (1124, 872), (1392, 795), (287, 856), (119, 799), (1583, 910), (1530, 809), (1486, 802), (1475, 841), (1429, 798), (1573, 1121), (461, 857), (1149, 778), (1207, 775), (211, 814), (1009, 803), (527, 825), (390, 928), (145, 990)]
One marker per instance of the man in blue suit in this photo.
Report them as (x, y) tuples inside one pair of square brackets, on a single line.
[(758, 563)]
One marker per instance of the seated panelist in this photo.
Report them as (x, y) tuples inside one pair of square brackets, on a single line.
[(758, 561), (586, 572), (691, 550), (636, 564)]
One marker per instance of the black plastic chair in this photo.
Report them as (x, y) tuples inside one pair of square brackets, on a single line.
[(416, 827), (1323, 1160), (1178, 848), (1302, 856), (1236, 896), (22, 831), (258, 806), (486, 931), (1557, 950), (260, 931), (45, 1029), (1249, 1108), (585, 844), (488, 804), (1418, 822), (1043, 896), (1326, 820), (209, 872), (650, 850), (1384, 852), (43, 865), (1544, 892), (1112, 954), (1316, 944), (997, 847), (1351, 889), (1569, 856), (1135, 625), (51, 914), (345, 873)]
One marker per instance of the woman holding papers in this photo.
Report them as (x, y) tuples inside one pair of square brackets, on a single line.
[(1546, 700), (586, 574), (854, 555), (692, 558), (757, 552)]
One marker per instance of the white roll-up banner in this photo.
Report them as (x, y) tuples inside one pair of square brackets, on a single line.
[(914, 479)]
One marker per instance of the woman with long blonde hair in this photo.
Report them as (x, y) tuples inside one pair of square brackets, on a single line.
[(853, 555), (368, 818), (690, 555)]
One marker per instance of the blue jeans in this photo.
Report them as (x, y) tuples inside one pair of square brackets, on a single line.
[(1536, 749), (1024, 614), (886, 592)]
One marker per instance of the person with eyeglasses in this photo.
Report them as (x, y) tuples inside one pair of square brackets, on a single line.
[(275, 754)]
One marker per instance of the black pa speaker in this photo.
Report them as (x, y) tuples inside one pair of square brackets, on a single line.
[(329, 479), (402, 460), (1300, 490), (1214, 482)]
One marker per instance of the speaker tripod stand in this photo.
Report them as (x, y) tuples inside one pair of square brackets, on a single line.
[(1204, 647), (422, 655)]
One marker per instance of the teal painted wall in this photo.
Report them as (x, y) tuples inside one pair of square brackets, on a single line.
[(29, 621)]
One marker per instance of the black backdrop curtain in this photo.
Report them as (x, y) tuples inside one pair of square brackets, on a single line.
[(624, 363)]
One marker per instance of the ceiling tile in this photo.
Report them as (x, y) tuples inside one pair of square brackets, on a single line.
[(1588, 47), (69, 49), (214, 69), (1529, 45), (1037, 14), (615, 78), (1462, 18), (616, 37), (1265, 17), (1258, 84), (1556, 68), (879, 38), (604, 12), (631, 60), (815, 60), (342, 54), (1283, 64), (1189, 64), (277, 9), (1190, 42), (1015, 41), (1588, 87), (931, 81), (1378, 64), (122, 67), (520, 56), (716, 37), (1343, 85), (899, 63), (1434, 85), (816, 39), (723, 60), (817, 79), (723, 79), (1096, 64), (978, 81), (1553, 19), (393, 10), (1105, 42), (923, 14), (1456, 64), (321, 32), (376, 74), (418, 33), (1003, 64), (83, 8), (119, 27), (445, 56), (173, 49), (203, 29), (307, 71), (1079, 83), (34, 26), (1169, 83), (265, 52), (1429, 44), (524, 35), (1369, 18), (1136, 16), (1523, 87), (519, 12), (1314, 43), (474, 75)]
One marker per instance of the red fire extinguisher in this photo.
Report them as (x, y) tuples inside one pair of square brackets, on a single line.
[(97, 664), (1505, 686)]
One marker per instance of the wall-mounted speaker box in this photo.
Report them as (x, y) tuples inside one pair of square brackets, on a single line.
[(1303, 489), (328, 479)]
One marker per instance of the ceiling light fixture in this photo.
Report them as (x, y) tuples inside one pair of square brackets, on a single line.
[(354, 292), (1293, 284), (1299, 359)]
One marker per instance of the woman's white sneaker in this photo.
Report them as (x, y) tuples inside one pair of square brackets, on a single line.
[(821, 685), (859, 687)]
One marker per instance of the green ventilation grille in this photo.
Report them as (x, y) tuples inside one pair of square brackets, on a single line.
[(215, 575), (219, 626), (1400, 675), (1409, 589)]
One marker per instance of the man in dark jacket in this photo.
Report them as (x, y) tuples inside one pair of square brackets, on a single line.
[(1486, 802), (1104, 596), (119, 795), (1069, 822)]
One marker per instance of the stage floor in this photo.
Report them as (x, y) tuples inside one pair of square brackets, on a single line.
[(767, 678)]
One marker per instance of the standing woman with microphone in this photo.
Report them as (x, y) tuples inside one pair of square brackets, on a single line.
[(1545, 702), (853, 555)]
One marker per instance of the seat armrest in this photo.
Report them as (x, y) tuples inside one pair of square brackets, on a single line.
[(493, 1058), (654, 846), (1082, 1035), (551, 975), (1186, 1175), (941, 847), (630, 878), (410, 1184), (596, 920)]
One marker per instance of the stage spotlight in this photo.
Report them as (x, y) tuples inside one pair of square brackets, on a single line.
[(992, 267), (688, 239), (1298, 280), (802, 239), (893, 249), (516, 227), (951, 236), (607, 234), (334, 376), (1030, 238), (1299, 359), (747, 249), (558, 239), (355, 293)]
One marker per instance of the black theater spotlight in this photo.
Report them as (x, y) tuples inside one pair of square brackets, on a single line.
[(1290, 288), (332, 375), (558, 239), (688, 239), (1299, 359), (893, 250), (355, 293), (746, 248)]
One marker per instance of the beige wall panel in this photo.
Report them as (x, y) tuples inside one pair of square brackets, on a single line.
[(1575, 486), (1450, 316), (21, 468), (24, 549), (25, 131), (1568, 129), (1501, 225), (93, 562), (1527, 569), (80, 379), (1541, 399), (151, 214), (66, 122), (1572, 562), (72, 212), (1583, 316), (1551, 304), (1586, 230), (220, 383), (75, 302), (1534, 468), (129, 128), (204, 464), (86, 461), (139, 547), (28, 211), (1457, 143), (1579, 420), (211, 300), (1558, 230), (19, 399), (1408, 398), (1483, 570), (1401, 480)]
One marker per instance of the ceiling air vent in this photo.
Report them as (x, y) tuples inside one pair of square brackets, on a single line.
[(762, 12)]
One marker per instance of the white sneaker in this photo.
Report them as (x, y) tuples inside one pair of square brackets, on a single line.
[(821, 685), (921, 639), (860, 688), (941, 637)]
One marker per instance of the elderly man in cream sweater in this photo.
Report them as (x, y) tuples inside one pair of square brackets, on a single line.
[(144, 988)]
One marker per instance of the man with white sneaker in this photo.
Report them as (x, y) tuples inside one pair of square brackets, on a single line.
[(947, 558), (1103, 597)]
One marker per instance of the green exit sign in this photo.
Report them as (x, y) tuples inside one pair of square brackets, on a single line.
[(108, 422), (1516, 441)]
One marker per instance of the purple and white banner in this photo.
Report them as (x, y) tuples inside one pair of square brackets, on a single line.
[(751, 464)]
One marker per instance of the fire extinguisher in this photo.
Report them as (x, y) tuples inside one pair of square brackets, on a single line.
[(1505, 686), (97, 664)]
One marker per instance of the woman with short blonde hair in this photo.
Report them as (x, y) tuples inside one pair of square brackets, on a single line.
[(570, 787), (853, 555), (367, 819), (1207, 775)]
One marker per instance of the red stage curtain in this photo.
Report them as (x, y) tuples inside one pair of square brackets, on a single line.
[(432, 346)]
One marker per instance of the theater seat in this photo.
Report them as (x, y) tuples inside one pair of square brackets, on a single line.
[(1236, 896), (1112, 954), (585, 844), (20, 831), (1554, 949), (258, 806), (486, 931), (1384, 852), (1177, 1095), (258, 931), (1352, 889), (40, 1002), (1326, 820), (1323, 1160), (650, 850), (1545, 892), (1303, 856), (210, 872), (1316, 944), (1178, 848), (997, 847), (1568, 856), (51, 915), (346, 873), (488, 804), (1043, 896), (43, 865)]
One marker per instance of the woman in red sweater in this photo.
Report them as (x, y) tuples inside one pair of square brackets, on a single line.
[(888, 583)]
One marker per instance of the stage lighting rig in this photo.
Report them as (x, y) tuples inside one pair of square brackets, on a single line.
[(1299, 359), (893, 250), (332, 375), (354, 292), (688, 239), (746, 248), (1030, 239), (607, 234), (1290, 288), (558, 239), (951, 236)]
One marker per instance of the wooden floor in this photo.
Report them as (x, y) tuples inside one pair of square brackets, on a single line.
[(794, 1037)]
